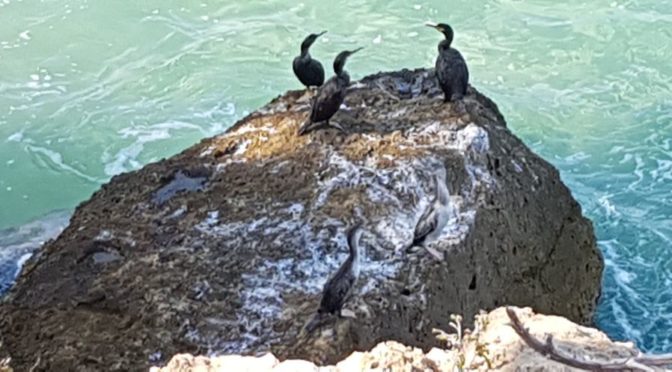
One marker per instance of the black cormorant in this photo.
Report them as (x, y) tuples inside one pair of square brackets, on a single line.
[(435, 217), (330, 96), (338, 287), (451, 69), (309, 71)]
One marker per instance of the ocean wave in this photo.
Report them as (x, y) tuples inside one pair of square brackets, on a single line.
[(17, 244)]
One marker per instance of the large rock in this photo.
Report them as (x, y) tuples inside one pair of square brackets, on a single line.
[(225, 247)]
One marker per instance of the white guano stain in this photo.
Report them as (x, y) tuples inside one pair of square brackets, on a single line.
[(318, 239)]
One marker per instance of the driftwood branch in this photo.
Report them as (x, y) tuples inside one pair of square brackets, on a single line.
[(640, 362), (382, 89)]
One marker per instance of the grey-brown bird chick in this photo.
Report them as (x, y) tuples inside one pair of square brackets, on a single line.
[(338, 287), (434, 219)]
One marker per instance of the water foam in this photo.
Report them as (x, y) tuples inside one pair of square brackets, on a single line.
[(18, 244), (127, 158)]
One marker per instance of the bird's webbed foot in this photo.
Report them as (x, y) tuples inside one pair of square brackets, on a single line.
[(434, 253), (413, 248), (346, 313), (307, 127), (336, 126), (459, 107)]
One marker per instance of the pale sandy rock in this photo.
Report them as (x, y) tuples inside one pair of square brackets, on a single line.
[(504, 350), (507, 350)]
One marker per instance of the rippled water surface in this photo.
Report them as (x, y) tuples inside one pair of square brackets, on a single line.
[(92, 89)]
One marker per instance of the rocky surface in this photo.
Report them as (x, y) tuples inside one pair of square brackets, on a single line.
[(225, 247), (494, 346)]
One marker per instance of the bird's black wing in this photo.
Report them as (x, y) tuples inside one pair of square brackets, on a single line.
[(316, 73), (335, 292), (444, 74), (452, 74), (461, 73), (328, 100), (426, 224), (296, 67)]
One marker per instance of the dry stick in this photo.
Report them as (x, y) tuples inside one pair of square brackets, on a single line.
[(37, 363), (640, 362), (380, 86)]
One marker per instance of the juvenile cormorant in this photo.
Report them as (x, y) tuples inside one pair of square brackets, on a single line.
[(451, 69), (435, 217), (330, 96), (309, 71), (338, 287)]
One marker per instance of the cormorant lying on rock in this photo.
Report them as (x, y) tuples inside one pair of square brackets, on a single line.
[(451, 69), (309, 71), (435, 217), (330, 96), (337, 288)]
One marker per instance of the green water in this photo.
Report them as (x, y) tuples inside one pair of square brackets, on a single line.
[(92, 89)]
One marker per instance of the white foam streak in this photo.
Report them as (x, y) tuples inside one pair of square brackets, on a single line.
[(50, 156), (311, 232), (127, 158), (18, 244)]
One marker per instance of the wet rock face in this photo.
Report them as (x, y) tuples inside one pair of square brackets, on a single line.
[(225, 247)]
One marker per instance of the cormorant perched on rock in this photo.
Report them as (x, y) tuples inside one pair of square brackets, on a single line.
[(451, 69), (330, 96), (309, 71), (435, 217), (338, 287)]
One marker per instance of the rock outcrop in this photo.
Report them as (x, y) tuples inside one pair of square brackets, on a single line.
[(225, 247), (494, 346)]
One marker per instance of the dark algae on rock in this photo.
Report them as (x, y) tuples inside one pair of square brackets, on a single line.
[(234, 258)]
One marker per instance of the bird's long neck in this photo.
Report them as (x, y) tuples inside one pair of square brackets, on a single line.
[(444, 45), (354, 257), (338, 68), (344, 76), (339, 65), (442, 194), (305, 46), (353, 244)]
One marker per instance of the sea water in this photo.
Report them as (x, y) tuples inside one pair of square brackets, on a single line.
[(90, 89)]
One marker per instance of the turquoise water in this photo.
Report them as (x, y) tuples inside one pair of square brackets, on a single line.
[(92, 89)]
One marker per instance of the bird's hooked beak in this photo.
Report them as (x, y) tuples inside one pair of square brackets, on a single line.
[(443, 28), (348, 53), (309, 40), (434, 25)]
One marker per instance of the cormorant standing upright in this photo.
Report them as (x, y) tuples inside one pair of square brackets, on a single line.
[(338, 287), (451, 69), (309, 71), (330, 96), (435, 217)]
